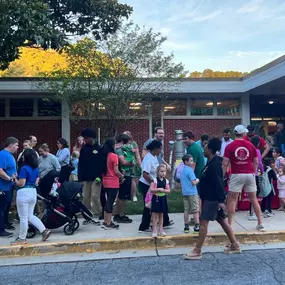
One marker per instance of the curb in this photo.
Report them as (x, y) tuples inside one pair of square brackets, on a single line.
[(136, 243)]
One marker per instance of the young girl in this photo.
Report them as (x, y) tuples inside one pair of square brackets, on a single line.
[(74, 160), (159, 188), (281, 187), (27, 181)]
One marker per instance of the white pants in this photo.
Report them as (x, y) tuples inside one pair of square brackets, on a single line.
[(26, 201)]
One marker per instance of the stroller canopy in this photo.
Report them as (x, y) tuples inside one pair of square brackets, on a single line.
[(68, 190)]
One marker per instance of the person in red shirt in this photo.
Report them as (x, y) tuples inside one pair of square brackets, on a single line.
[(241, 155), (263, 146), (111, 182)]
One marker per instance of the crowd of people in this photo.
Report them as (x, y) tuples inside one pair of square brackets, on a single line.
[(213, 174)]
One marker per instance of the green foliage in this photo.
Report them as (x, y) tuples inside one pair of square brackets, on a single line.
[(51, 23), (209, 73)]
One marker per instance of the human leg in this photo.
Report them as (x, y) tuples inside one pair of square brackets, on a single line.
[(161, 231), (256, 207), (95, 199), (232, 200), (111, 196), (146, 212), (86, 192), (22, 201)]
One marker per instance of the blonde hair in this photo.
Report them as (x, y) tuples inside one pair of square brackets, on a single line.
[(75, 154), (159, 167)]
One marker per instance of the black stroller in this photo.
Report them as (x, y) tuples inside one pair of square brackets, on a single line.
[(63, 209)]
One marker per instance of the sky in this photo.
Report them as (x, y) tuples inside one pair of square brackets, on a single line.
[(239, 35)]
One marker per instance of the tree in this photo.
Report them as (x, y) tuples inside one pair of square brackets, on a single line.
[(111, 81), (209, 73), (50, 23)]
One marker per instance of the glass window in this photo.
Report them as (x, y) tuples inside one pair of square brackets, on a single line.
[(21, 107), (2, 107), (202, 107), (175, 108), (47, 107), (228, 108)]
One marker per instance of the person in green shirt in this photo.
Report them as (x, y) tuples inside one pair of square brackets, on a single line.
[(195, 151)]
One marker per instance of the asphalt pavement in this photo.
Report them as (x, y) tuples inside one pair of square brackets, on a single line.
[(250, 267)]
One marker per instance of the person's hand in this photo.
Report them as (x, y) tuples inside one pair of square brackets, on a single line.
[(197, 181), (14, 176), (168, 167)]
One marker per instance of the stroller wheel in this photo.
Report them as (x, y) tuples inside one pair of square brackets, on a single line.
[(76, 225), (31, 232), (69, 229)]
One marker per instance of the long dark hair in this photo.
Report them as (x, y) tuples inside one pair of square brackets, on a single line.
[(63, 142), (108, 147), (31, 158)]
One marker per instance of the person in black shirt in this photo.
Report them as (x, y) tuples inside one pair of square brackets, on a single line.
[(212, 195)]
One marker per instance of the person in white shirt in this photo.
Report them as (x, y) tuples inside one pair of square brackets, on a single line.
[(226, 140)]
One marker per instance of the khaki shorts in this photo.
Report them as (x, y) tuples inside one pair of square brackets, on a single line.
[(191, 204), (242, 181)]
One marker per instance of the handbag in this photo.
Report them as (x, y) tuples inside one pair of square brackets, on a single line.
[(147, 200)]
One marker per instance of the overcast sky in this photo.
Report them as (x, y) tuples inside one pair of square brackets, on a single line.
[(218, 34)]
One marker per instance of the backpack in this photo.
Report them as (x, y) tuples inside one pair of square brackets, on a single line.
[(178, 171), (264, 184)]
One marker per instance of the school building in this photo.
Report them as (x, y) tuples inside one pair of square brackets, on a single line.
[(205, 105)]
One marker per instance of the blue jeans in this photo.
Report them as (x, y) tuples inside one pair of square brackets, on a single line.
[(5, 204)]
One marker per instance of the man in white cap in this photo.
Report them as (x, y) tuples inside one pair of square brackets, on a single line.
[(241, 156)]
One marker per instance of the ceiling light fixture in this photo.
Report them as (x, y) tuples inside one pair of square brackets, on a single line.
[(271, 102)]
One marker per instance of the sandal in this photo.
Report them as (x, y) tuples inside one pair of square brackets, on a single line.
[(230, 249), (193, 255)]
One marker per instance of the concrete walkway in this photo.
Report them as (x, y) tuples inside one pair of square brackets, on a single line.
[(91, 232)]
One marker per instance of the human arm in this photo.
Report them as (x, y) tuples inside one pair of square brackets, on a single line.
[(115, 162), (265, 146), (215, 172), (62, 155), (137, 154), (255, 164), (260, 164), (55, 164), (226, 164), (3, 166), (281, 179)]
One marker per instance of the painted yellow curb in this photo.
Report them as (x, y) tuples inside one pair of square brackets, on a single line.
[(136, 243)]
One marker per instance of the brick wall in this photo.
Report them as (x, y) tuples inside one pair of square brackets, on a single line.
[(213, 127), (45, 131), (138, 128)]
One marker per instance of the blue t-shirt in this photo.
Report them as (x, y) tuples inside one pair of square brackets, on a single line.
[(75, 164), (31, 175), (8, 164), (187, 176)]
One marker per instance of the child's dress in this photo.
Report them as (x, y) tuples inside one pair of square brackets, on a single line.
[(281, 186), (159, 200)]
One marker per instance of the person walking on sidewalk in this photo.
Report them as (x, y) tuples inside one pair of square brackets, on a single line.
[(190, 195), (90, 171), (111, 181), (213, 196), (8, 170), (26, 200), (242, 157)]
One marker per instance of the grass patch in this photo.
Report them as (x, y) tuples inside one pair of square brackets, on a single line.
[(175, 204)]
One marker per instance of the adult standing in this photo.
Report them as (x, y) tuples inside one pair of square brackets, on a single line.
[(8, 171), (33, 141), (226, 140), (213, 196), (78, 145), (26, 145), (125, 187), (202, 142), (279, 137), (90, 171), (195, 151), (263, 146), (63, 156), (158, 135), (241, 155), (137, 166)]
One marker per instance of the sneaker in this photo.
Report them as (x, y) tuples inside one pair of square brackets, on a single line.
[(46, 234), (116, 217), (171, 223), (154, 234), (162, 233), (193, 255), (145, 231), (265, 215), (271, 214), (186, 229), (17, 220), (135, 199), (280, 209), (91, 222), (10, 227), (124, 220), (252, 218), (232, 250), (18, 241), (196, 229), (5, 234), (112, 226), (260, 228)]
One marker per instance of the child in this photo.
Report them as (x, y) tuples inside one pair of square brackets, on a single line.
[(129, 154), (266, 205), (281, 187), (74, 161), (190, 193), (159, 188)]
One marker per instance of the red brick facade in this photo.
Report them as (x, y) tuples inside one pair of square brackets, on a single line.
[(212, 127), (45, 131)]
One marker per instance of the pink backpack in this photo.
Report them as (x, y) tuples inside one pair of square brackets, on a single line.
[(147, 200), (178, 172)]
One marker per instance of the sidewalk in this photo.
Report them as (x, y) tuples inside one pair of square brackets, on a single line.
[(90, 238)]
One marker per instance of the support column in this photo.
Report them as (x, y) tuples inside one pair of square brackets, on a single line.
[(245, 109), (65, 121), (150, 120)]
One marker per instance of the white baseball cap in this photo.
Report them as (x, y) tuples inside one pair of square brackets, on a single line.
[(240, 129)]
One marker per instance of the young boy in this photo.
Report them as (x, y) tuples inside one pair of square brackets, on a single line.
[(190, 193), (129, 154)]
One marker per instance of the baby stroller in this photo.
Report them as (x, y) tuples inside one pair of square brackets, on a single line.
[(62, 210)]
